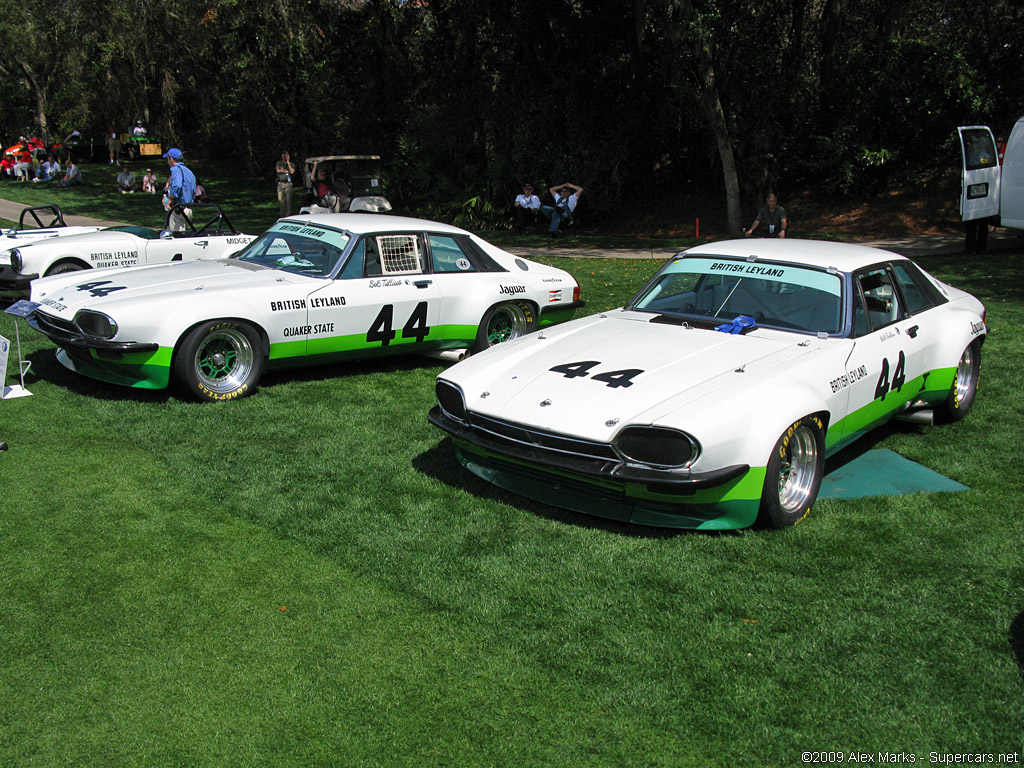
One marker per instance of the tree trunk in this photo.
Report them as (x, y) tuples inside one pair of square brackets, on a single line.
[(712, 103)]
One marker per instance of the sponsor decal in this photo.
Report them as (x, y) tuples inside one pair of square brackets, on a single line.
[(301, 229), (326, 301), (747, 269), (305, 330), (511, 290), (114, 259), (554, 296), (977, 328), (239, 240), (55, 304), (889, 334), (280, 306), (551, 280), (850, 377)]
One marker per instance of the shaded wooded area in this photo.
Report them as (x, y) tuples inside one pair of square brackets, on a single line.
[(633, 99)]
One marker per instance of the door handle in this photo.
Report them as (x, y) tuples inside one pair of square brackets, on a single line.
[(912, 331), (422, 283)]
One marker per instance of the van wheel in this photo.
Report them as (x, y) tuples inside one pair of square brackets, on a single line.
[(793, 476)]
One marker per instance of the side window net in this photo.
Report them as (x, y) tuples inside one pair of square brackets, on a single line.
[(399, 254)]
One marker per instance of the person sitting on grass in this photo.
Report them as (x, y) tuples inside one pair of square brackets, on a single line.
[(126, 181), (71, 175), (49, 170)]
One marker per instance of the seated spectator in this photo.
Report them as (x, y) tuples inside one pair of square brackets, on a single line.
[(566, 197), (71, 175), (527, 206), (126, 181), (49, 170), (325, 193), (201, 195), (149, 183), (23, 163), (7, 166)]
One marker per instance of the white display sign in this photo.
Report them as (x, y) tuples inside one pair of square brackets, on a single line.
[(5, 347)]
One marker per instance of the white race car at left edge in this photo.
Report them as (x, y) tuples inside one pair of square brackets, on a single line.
[(206, 233), (311, 289)]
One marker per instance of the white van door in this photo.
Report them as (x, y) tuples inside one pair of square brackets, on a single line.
[(1011, 179), (979, 186)]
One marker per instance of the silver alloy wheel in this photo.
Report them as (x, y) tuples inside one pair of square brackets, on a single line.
[(964, 381), (223, 360), (507, 322), (797, 471)]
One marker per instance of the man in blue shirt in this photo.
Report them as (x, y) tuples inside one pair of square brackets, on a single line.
[(180, 189)]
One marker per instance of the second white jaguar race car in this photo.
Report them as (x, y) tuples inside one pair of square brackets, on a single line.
[(207, 234), (713, 397), (311, 289)]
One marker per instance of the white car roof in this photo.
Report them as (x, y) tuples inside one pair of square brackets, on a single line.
[(360, 223), (819, 253)]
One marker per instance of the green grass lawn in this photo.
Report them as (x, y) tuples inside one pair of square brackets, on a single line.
[(307, 577)]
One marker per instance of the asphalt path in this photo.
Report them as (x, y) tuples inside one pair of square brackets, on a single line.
[(913, 246), (12, 211)]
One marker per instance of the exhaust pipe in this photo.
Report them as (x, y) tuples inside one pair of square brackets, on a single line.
[(925, 417), (447, 355)]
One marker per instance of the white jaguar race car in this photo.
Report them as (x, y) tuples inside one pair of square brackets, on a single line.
[(41, 222), (712, 399), (311, 289), (207, 234)]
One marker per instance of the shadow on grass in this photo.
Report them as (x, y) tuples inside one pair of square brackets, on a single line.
[(1017, 640), (46, 367), (439, 463)]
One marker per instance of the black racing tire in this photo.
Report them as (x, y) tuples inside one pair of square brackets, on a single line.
[(220, 360), (64, 266), (793, 475), (965, 385), (504, 322)]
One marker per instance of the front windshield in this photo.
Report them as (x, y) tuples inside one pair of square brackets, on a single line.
[(775, 295), (299, 248)]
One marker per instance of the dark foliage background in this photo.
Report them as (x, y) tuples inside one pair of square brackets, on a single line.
[(465, 100)]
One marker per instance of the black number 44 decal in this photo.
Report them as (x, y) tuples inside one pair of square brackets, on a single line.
[(382, 328), (899, 377), (98, 287), (613, 379)]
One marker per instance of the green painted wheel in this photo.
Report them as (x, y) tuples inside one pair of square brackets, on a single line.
[(504, 322)]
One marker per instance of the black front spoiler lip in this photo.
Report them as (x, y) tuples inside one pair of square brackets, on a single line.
[(671, 482), (81, 342), (12, 281)]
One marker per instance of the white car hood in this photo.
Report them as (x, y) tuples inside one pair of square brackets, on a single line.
[(679, 367), (173, 282)]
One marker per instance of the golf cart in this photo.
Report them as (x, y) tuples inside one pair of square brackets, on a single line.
[(354, 181)]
